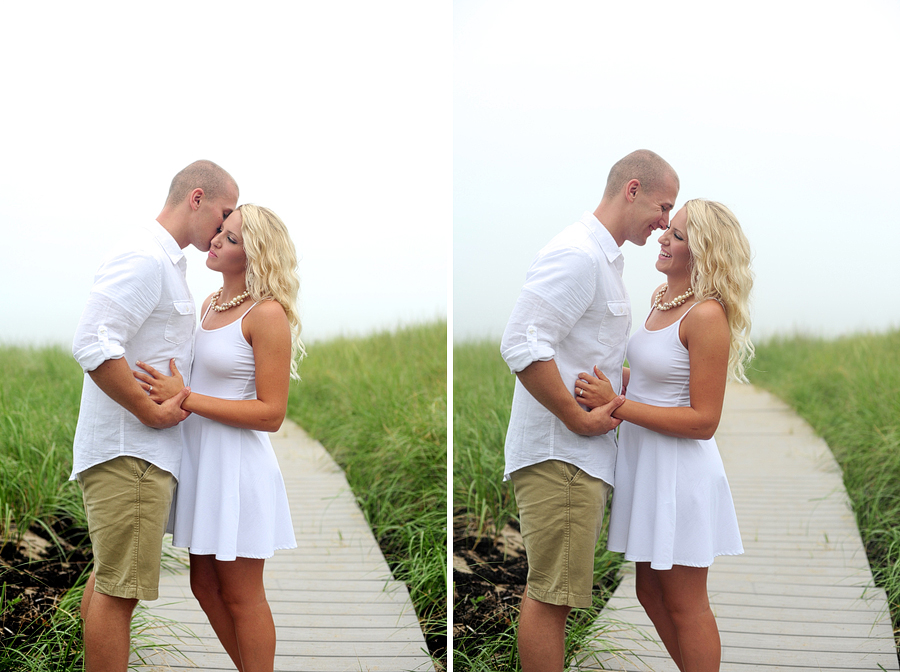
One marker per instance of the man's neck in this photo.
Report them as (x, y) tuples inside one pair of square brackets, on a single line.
[(610, 219), (174, 225)]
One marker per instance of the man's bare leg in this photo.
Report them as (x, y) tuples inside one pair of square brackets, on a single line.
[(542, 635), (107, 630)]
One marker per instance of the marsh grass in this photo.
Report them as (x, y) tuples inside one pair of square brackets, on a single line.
[(379, 405), (482, 397), (40, 390), (848, 389)]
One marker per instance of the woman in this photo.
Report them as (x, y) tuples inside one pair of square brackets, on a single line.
[(231, 508), (672, 511)]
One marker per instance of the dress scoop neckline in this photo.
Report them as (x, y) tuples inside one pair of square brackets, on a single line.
[(658, 331), (225, 326)]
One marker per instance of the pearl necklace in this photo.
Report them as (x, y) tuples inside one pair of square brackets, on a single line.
[(236, 301), (674, 303)]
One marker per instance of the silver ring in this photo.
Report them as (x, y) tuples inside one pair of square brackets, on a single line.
[(580, 391), (151, 389)]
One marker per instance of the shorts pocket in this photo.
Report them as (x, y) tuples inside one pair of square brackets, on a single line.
[(180, 327), (615, 324), (570, 472)]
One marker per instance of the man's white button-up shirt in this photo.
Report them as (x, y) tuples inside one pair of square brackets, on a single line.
[(574, 310), (139, 308)]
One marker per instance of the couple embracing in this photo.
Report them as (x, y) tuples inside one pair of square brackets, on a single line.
[(141, 431), (672, 511)]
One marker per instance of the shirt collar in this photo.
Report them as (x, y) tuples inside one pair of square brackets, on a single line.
[(166, 241), (602, 236)]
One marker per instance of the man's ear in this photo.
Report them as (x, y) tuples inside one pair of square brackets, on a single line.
[(631, 189), (196, 197)]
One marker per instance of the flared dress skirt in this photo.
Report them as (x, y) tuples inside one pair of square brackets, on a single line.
[(672, 504), (231, 500)]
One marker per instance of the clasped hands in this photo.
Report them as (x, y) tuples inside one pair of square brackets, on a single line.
[(159, 386), (597, 395), (594, 391)]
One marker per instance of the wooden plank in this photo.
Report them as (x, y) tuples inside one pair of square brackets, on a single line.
[(335, 604), (802, 596)]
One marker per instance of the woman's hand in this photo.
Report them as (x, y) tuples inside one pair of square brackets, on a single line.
[(594, 391), (160, 387)]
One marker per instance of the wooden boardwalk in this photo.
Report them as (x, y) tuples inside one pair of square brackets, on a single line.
[(336, 606), (801, 597)]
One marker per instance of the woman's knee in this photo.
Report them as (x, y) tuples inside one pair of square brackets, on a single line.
[(204, 583), (684, 594), (648, 590)]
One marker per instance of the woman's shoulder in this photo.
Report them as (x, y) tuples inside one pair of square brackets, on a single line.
[(266, 319), (707, 310), (707, 316), (267, 311)]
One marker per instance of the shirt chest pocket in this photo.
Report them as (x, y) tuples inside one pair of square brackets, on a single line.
[(180, 326), (615, 324)]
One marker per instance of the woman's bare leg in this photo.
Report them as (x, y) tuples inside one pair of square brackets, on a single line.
[(650, 595), (242, 590), (687, 603), (206, 588)]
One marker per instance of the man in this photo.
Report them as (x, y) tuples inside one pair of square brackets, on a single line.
[(127, 449), (573, 313)]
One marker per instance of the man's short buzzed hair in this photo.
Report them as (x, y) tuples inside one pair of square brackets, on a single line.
[(213, 179), (648, 167)]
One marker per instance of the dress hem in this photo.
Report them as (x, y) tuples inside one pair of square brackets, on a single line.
[(231, 558), (663, 567)]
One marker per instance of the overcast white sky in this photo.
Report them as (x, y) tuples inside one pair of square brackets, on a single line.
[(786, 111), (374, 129), (337, 115)]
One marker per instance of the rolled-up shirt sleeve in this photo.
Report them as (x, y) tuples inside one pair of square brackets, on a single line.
[(559, 288), (126, 290)]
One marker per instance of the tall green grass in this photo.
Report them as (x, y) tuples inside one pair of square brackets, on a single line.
[(379, 405), (848, 389), (40, 390), (482, 396)]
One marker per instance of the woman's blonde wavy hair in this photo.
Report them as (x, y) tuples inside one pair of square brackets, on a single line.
[(272, 268), (720, 269)]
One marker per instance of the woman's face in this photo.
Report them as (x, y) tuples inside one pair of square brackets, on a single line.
[(226, 250), (675, 255)]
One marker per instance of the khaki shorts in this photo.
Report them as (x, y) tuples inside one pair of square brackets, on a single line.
[(127, 502), (561, 513)]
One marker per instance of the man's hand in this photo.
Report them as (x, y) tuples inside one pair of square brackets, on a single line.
[(599, 420), (169, 413)]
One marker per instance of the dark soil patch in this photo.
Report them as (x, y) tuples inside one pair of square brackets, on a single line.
[(34, 575), (488, 582), (489, 578)]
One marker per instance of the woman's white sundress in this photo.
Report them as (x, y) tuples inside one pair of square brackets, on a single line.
[(671, 504), (230, 501)]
